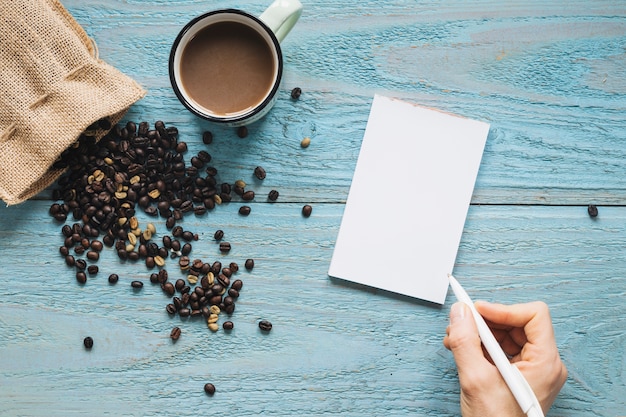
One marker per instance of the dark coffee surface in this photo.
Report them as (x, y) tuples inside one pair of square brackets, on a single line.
[(227, 67)]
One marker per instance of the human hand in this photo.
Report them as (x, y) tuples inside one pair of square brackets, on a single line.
[(525, 333)]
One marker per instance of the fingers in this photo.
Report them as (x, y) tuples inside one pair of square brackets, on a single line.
[(528, 322), (463, 340)]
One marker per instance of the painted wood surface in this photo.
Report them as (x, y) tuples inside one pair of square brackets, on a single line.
[(550, 77)]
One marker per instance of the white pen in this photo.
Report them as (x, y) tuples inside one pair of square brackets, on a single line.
[(514, 379)]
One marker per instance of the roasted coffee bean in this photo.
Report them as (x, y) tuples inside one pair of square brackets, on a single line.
[(227, 271), (96, 245), (170, 222), (228, 300), (204, 156), (175, 333), (592, 210), (209, 388), (88, 342), (248, 195), (245, 210), (186, 249), (242, 131), (177, 231), (265, 325), (307, 210), (180, 283), (296, 92), (215, 300), (70, 261), (217, 289), (92, 269), (136, 284), (184, 312), (66, 230), (224, 280), (249, 264), (113, 278), (225, 247), (216, 267), (81, 277), (81, 264), (219, 234), (260, 173), (92, 255), (233, 293), (187, 236), (168, 288), (207, 137), (272, 195), (237, 285), (228, 325), (170, 308), (234, 267)]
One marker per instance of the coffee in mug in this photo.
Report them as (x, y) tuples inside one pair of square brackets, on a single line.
[(226, 65)]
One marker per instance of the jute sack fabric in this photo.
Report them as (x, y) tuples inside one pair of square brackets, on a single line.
[(53, 88)]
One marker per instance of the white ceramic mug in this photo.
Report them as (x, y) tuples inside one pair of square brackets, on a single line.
[(215, 66)]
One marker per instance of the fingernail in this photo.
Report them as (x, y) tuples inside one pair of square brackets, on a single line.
[(457, 312)]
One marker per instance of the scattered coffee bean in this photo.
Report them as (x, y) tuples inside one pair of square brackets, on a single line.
[(93, 255), (228, 325), (225, 247), (209, 388), (237, 285), (245, 210), (592, 210), (273, 195), (113, 278), (265, 325), (81, 277), (136, 284), (307, 210), (69, 260), (296, 92), (92, 269), (260, 173), (242, 131), (175, 333), (304, 143), (207, 138), (249, 264), (88, 342), (248, 195), (219, 234)]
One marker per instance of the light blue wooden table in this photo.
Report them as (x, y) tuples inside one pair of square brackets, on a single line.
[(550, 77)]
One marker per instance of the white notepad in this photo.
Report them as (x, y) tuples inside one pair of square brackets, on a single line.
[(408, 200)]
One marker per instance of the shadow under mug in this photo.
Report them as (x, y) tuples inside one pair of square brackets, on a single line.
[(226, 65)]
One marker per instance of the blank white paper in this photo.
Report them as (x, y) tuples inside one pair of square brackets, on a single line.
[(408, 200)]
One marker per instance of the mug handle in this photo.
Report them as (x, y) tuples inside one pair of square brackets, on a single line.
[(281, 16)]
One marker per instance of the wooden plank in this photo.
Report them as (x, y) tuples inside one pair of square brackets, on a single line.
[(548, 77), (335, 348)]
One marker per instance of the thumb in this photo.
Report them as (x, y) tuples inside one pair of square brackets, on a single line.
[(464, 342)]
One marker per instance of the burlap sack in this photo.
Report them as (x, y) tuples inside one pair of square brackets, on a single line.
[(53, 87)]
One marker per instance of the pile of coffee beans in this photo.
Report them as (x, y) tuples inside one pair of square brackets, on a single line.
[(134, 168)]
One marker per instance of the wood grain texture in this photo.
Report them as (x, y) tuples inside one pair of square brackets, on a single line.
[(551, 80)]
